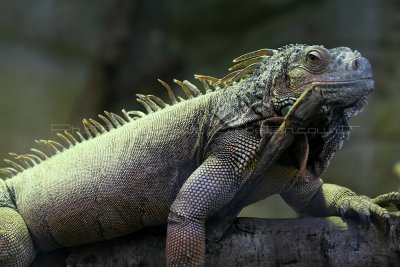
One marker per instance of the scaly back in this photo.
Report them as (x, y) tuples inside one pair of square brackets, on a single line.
[(245, 65)]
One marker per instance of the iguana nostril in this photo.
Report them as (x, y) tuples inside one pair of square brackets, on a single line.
[(355, 64)]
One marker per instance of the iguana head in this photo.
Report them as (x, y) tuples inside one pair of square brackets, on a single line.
[(345, 80), (268, 82), (344, 75)]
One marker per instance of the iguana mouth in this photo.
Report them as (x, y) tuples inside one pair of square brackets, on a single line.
[(337, 84), (339, 93), (346, 92)]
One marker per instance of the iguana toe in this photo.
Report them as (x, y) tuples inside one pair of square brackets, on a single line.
[(364, 209), (387, 199)]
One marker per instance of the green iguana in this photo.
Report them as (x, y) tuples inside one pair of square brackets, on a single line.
[(182, 163)]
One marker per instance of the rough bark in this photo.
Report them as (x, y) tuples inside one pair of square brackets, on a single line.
[(251, 242)]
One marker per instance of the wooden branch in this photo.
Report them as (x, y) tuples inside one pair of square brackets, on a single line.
[(251, 242)]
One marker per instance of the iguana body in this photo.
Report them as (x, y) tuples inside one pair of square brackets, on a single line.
[(184, 162)]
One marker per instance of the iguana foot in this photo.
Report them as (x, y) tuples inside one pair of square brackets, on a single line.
[(385, 200), (364, 208)]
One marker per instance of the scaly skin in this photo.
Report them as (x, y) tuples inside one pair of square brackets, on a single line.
[(183, 163)]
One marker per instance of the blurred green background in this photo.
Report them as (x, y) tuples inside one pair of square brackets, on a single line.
[(63, 60)]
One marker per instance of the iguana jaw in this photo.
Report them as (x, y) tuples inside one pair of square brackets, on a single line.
[(344, 93), (336, 93)]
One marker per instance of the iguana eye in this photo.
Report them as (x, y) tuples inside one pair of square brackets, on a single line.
[(313, 57), (316, 60)]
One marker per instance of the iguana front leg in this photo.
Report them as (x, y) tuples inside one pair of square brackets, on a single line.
[(319, 199), (205, 192)]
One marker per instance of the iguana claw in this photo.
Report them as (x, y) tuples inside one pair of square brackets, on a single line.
[(341, 213), (365, 209), (387, 226), (367, 222)]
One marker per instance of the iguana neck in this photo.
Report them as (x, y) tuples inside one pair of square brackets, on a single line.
[(246, 101)]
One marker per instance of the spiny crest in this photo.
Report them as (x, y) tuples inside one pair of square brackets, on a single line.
[(91, 129), (245, 65), (153, 103)]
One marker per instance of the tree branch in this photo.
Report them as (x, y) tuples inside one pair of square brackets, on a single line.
[(251, 242)]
